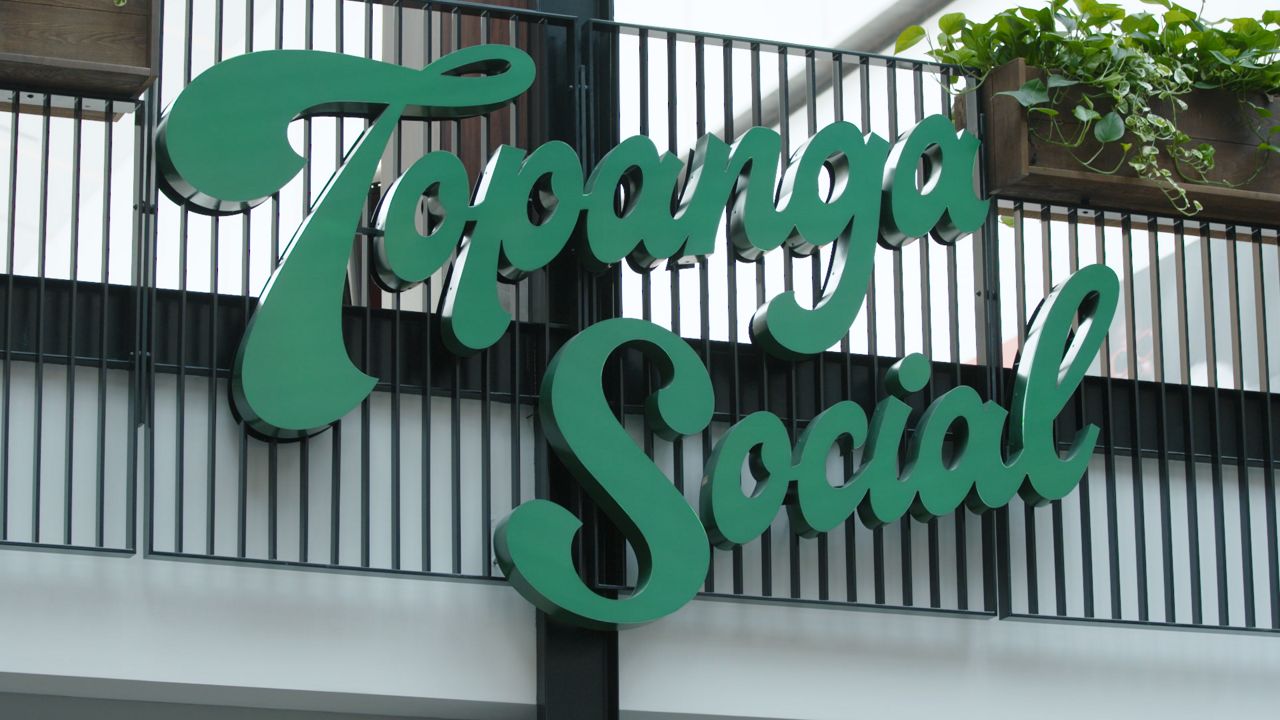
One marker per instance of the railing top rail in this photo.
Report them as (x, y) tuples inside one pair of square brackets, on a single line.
[(877, 59), (479, 9)]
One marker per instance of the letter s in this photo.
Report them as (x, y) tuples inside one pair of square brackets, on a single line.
[(534, 542)]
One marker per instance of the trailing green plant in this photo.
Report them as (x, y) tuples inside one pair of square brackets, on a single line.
[(1122, 77)]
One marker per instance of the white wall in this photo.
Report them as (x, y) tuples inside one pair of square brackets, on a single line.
[(154, 630), (753, 661), (139, 629)]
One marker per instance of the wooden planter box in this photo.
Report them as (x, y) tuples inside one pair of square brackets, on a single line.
[(1023, 167), (91, 48)]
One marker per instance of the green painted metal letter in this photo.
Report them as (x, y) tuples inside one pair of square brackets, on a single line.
[(534, 542)]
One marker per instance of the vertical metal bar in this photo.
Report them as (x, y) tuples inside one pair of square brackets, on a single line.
[(515, 358), (788, 279), (815, 281), (455, 398), (1242, 464), (766, 538), (42, 239), (1189, 455), (646, 282), (1215, 443), (846, 374), (10, 240), (1135, 420), (366, 292), (335, 495), (273, 449), (428, 329), (877, 533), (996, 565), (704, 279), (677, 444), (142, 398), (1086, 521), (273, 500), (673, 96), (304, 445), (1020, 289), (1109, 444), (213, 395), (396, 168), (242, 467), (926, 336), (101, 479), (1269, 457), (142, 401), (1162, 430), (68, 421), (900, 334), (486, 404), (953, 335), (335, 459), (1059, 548), (153, 103), (180, 395), (731, 283)]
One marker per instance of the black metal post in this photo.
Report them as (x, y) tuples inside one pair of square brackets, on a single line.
[(578, 668)]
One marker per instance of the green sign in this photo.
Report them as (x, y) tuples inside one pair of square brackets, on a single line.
[(223, 148)]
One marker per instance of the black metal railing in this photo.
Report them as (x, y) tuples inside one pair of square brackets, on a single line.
[(414, 479), (68, 394), (122, 313), (675, 86)]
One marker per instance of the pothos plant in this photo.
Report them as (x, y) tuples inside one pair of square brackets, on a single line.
[(1123, 77)]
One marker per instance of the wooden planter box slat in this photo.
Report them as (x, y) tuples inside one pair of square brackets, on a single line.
[(1023, 167), (78, 47)]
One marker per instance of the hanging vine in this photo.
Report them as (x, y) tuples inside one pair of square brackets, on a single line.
[(1122, 79)]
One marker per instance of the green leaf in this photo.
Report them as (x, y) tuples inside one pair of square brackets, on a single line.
[(1057, 81), (1221, 57), (1033, 92), (1084, 114), (1047, 111), (1110, 128), (1176, 16), (1245, 26), (909, 38), (1006, 221), (951, 23)]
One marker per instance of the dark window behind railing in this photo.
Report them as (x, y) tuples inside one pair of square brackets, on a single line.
[(122, 313)]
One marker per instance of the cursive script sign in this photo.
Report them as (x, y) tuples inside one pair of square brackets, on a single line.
[(223, 148)]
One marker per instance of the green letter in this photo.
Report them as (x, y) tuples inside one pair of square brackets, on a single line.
[(402, 256), (639, 228), (534, 543), (505, 241), (1054, 360), (731, 516), (784, 328), (945, 204), (888, 497), (819, 507), (977, 456), (223, 148)]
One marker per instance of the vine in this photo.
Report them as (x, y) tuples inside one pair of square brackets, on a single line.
[(1123, 77)]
